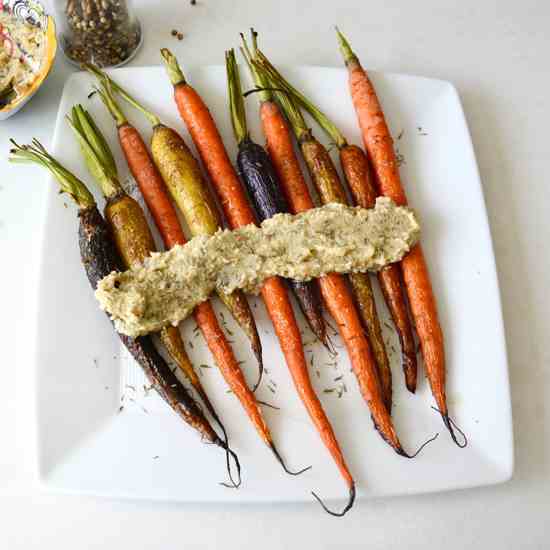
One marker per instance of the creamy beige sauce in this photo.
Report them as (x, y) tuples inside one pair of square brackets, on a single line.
[(22, 49), (333, 238)]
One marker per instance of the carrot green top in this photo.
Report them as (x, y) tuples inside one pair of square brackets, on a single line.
[(345, 48), (95, 149), (175, 74), (285, 100), (69, 183), (262, 84), (110, 84), (106, 94), (323, 120), (236, 102)]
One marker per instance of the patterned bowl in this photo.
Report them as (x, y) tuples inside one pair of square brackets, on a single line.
[(32, 12)]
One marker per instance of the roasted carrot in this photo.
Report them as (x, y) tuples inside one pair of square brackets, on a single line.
[(379, 145), (324, 175), (99, 258), (238, 211), (174, 162), (260, 179), (167, 147), (201, 219), (130, 229), (357, 171)]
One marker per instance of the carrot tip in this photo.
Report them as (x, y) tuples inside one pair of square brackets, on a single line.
[(348, 506), (281, 462), (229, 453), (402, 452), (451, 425)]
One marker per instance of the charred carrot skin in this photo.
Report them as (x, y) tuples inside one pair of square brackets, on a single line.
[(131, 232), (100, 258), (260, 179), (358, 175)]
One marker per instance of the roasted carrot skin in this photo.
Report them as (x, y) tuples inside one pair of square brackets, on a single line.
[(260, 180), (143, 169), (358, 175), (375, 385), (280, 311), (330, 189), (183, 178), (238, 212), (391, 283), (99, 257), (379, 145), (170, 163), (135, 243)]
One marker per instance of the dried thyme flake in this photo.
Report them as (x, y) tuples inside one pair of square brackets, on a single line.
[(400, 159), (328, 390)]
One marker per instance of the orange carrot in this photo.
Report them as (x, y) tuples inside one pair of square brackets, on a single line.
[(189, 192), (333, 287), (238, 212), (155, 193), (379, 145)]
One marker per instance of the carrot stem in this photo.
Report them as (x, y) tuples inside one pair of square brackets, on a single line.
[(345, 48), (103, 77), (236, 104), (95, 151), (69, 183), (323, 120), (175, 74)]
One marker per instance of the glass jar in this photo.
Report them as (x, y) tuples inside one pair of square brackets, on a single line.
[(103, 32)]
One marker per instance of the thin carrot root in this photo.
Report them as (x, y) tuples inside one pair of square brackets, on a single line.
[(230, 453), (348, 506), (417, 452), (451, 425), (282, 463)]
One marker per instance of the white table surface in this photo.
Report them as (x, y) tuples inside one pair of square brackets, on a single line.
[(495, 52)]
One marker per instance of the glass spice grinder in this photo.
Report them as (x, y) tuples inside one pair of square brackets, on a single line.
[(103, 32)]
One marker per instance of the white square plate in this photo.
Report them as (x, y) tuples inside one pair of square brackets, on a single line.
[(87, 445)]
